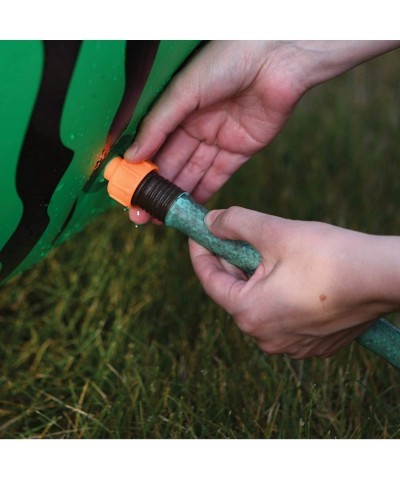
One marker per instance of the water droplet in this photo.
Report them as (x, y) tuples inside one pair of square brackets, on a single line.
[(72, 136)]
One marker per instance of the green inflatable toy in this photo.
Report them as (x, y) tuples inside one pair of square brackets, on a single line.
[(66, 108)]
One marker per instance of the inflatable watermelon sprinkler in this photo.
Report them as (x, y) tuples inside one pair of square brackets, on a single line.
[(140, 184)]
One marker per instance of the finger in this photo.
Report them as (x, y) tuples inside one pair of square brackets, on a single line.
[(170, 159), (263, 231), (223, 167), (196, 167), (273, 343), (329, 345), (138, 215), (341, 339), (176, 151), (222, 284), (179, 99)]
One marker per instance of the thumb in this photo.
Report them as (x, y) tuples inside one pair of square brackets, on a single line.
[(238, 223)]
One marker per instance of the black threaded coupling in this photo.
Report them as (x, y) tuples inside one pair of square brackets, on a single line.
[(155, 194)]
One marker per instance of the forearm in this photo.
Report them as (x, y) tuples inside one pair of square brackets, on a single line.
[(314, 62), (384, 266)]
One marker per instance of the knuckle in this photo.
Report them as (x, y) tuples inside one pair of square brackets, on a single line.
[(182, 90), (278, 348), (246, 324), (272, 348), (298, 355), (176, 85), (231, 215), (197, 166), (275, 345), (324, 355), (147, 121)]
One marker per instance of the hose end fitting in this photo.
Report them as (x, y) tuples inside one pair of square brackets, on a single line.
[(140, 184), (125, 177)]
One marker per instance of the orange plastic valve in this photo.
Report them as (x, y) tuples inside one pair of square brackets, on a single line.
[(124, 178)]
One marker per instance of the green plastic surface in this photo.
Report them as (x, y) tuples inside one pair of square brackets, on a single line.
[(91, 101)]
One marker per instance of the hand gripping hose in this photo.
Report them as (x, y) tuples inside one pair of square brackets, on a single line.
[(140, 184)]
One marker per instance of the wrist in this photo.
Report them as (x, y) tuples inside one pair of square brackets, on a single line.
[(385, 271), (311, 62), (371, 271)]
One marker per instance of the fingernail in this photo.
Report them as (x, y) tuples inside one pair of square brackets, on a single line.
[(131, 151), (209, 219), (136, 215)]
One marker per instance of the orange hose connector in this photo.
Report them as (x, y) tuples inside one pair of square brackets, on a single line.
[(124, 178)]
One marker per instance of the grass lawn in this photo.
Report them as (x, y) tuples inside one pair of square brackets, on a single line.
[(111, 336)]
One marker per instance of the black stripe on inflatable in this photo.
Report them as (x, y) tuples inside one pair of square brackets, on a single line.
[(139, 59), (43, 159), (66, 221)]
